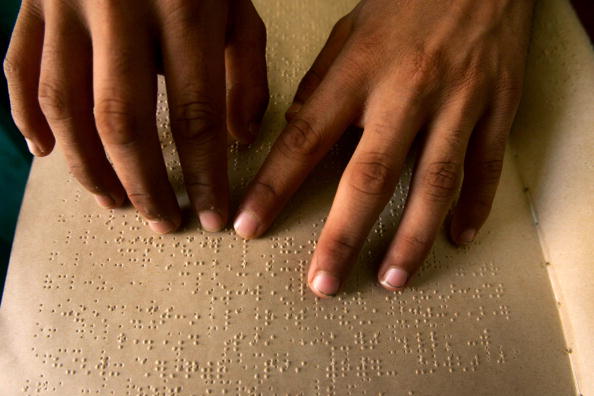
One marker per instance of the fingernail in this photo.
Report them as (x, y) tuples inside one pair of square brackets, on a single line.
[(326, 284), (395, 278), (105, 200), (294, 108), (210, 220), (33, 148), (162, 226), (246, 225), (467, 236)]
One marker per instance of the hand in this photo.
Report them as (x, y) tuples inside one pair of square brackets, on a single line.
[(451, 68), (83, 73)]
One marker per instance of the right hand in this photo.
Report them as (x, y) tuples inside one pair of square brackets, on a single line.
[(83, 73)]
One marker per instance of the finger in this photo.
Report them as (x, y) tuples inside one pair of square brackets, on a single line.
[(65, 96), (245, 61), (482, 169), (21, 67), (435, 182), (366, 186), (124, 84), (299, 147), (314, 76), (195, 70)]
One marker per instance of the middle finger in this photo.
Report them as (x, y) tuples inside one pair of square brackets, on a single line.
[(125, 88), (193, 51), (365, 187)]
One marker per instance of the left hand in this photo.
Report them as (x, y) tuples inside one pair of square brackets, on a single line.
[(451, 68), (84, 74)]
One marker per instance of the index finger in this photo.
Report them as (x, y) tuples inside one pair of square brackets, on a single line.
[(365, 187), (301, 145)]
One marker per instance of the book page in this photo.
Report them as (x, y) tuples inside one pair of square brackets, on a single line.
[(95, 303), (554, 142)]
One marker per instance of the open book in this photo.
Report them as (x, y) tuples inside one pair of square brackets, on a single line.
[(97, 304)]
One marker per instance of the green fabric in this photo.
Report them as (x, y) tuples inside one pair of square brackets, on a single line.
[(15, 159), (8, 13)]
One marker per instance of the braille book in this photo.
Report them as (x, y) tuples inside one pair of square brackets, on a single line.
[(97, 304)]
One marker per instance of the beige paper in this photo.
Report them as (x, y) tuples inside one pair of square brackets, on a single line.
[(554, 141), (95, 303)]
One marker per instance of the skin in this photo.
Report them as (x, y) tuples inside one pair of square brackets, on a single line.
[(452, 70), (84, 74)]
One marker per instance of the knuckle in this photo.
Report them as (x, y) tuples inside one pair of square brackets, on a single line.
[(116, 121), (490, 171), (260, 30), (109, 3), (20, 115), (200, 184), (373, 175), (471, 73), (427, 62), (422, 68), (308, 84), (85, 177), (265, 190), (202, 190), (300, 139), (367, 39), (441, 180), (365, 55), (341, 28), (510, 84), (123, 64), (415, 245), (12, 68), (196, 120), (145, 204), (53, 102), (455, 140), (479, 77), (22, 122), (252, 34), (339, 248), (342, 25), (262, 93), (382, 129), (467, 82), (258, 92), (180, 12), (78, 170), (484, 204)]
